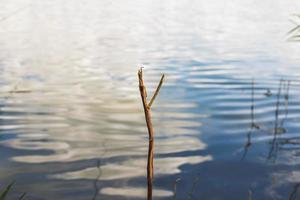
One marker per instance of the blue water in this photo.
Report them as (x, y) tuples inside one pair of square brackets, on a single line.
[(226, 119)]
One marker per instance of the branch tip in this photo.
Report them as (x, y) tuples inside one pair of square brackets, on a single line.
[(156, 91)]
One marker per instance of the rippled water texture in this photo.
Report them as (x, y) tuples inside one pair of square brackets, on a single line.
[(227, 119)]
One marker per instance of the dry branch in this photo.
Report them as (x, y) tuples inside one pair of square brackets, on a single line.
[(147, 111)]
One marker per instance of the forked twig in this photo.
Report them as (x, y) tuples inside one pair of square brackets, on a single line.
[(147, 111)]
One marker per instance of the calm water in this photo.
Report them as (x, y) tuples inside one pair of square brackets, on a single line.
[(227, 120)]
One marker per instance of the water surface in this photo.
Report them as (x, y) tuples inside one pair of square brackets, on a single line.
[(226, 120)]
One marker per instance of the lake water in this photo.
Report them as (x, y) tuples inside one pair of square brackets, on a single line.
[(227, 119)]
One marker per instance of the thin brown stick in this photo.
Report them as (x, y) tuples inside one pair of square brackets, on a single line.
[(150, 171), (147, 112), (145, 105), (156, 91)]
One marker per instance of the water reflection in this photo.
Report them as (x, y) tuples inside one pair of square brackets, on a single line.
[(278, 125), (281, 116), (134, 192), (96, 187), (294, 193), (71, 126), (116, 160), (253, 124)]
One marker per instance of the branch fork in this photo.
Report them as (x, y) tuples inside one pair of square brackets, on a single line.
[(147, 110)]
